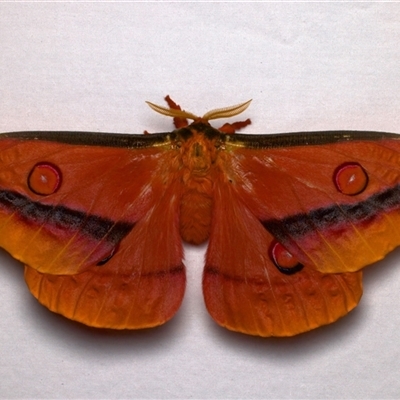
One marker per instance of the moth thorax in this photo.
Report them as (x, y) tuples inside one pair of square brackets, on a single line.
[(198, 155)]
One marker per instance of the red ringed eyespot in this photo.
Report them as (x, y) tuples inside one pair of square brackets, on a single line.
[(44, 179), (350, 178), (284, 260)]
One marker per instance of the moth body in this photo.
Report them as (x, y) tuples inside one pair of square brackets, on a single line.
[(198, 153)]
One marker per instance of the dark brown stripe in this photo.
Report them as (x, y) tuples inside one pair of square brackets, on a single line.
[(64, 218), (216, 272), (209, 270), (306, 138), (92, 138), (299, 225), (160, 274), (135, 273)]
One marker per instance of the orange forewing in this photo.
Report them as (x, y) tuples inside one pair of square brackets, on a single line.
[(366, 224), (47, 244)]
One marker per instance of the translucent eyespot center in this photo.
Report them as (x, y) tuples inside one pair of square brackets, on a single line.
[(350, 178), (44, 179), (284, 260)]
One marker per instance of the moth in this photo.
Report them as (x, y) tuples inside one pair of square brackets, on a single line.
[(98, 220)]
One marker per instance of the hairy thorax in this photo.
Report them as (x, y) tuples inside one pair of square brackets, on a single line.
[(198, 157)]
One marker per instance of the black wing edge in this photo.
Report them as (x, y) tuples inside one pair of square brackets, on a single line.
[(93, 138), (305, 138)]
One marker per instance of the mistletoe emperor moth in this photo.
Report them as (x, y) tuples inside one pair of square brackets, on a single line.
[(99, 220)]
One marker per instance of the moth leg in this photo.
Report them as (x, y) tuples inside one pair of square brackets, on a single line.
[(178, 122), (235, 126)]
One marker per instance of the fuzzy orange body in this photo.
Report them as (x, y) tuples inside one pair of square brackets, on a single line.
[(198, 159)]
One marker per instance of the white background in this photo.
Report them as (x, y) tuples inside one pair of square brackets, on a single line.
[(307, 66)]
